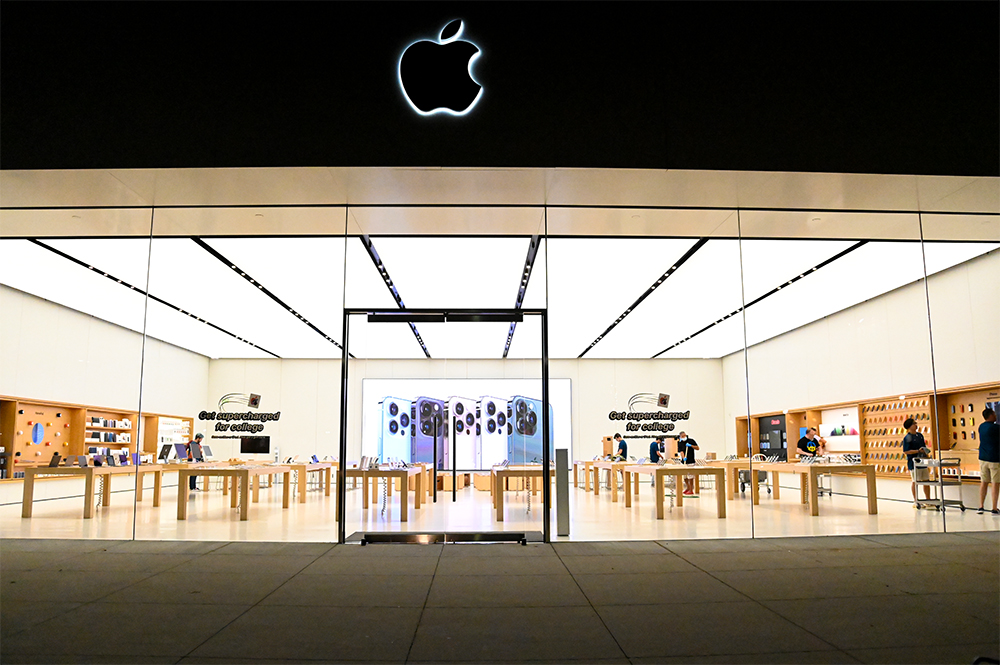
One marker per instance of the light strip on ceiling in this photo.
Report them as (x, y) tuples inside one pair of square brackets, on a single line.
[(263, 289), (670, 271), (529, 263), (148, 295), (367, 242), (769, 293)]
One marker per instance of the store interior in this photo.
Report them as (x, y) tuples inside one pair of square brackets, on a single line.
[(141, 308)]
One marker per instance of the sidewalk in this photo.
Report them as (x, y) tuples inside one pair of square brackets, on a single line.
[(923, 598)]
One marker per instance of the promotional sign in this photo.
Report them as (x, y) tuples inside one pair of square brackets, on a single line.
[(659, 421)]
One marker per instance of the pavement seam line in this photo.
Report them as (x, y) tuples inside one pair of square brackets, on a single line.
[(420, 617), (590, 603)]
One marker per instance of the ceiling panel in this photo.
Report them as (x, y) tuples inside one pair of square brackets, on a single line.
[(527, 342), (125, 258), (464, 340), (452, 220), (169, 325), (592, 281), (642, 222), (454, 272), (705, 288), (92, 222), (768, 263), (382, 340)]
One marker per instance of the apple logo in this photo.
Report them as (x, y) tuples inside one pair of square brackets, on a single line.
[(436, 76)]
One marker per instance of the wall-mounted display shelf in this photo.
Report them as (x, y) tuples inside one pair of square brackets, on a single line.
[(159, 430), (949, 422), (31, 430)]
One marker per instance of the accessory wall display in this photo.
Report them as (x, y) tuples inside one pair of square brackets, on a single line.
[(882, 431)]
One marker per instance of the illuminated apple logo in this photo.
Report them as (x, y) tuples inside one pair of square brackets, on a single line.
[(436, 76)]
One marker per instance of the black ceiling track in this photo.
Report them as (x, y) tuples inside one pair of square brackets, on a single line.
[(370, 248), (263, 289), (522, 288), (628, 310), (149, 295), (766, 295)]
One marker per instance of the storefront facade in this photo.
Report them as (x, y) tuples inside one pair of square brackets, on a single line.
[(318, 317)]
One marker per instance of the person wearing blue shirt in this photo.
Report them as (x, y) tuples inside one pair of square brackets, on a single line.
[(657, 451), (989, 458), (685, 449), (914, 447), (622, 447)]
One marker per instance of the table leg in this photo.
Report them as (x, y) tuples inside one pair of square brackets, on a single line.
[(328, 480), (679, 489), (499, 499), (300, 479), (106, 491), (697, 483), (586, 476), (659, 493), (404, 502), (245, 494), (389, 482), (364, 490), (613, 481), (418, 488), (812, 491), (720, 497), (374, 490), (629, 477), (234, 497), (157, 487), (872, 495), (256, 488), (138, 485), (803, 488), (754, 485), (286, 493), (182, 494), (597, 481), (576, 474), (225, 486), (28, 495), (732, 478)]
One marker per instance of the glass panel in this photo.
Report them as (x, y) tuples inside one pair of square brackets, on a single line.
[(71, 347), (243, 384), (839, 361), (642, 320), (963, 260)]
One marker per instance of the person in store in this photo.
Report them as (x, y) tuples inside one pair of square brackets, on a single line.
[(812, 444), (989, 458), (915, 448), (193, 480), (622, 446), (685, 450), (657, 453)]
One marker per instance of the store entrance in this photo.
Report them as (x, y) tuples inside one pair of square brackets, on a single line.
[(446, 448)]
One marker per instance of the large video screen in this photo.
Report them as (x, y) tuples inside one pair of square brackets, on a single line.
[(466, 423)]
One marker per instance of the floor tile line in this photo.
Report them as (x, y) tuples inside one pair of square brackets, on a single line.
[(249, 608), (423, 608), (590, 604), (761, 604)]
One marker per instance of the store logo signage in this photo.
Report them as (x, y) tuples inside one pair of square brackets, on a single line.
[(636, 418), (436, 76)]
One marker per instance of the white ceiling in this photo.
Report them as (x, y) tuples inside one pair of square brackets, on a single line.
[(591, 283)]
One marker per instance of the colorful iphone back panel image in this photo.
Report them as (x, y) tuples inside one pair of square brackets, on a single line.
[(493, 425), (525, 440), (464, 432), (395, 433), (427, 416)]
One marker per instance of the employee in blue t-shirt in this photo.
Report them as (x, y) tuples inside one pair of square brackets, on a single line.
[(989, 458), (915, 448), (622, 449)]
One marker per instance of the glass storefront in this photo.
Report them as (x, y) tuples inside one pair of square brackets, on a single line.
[(356, 371)]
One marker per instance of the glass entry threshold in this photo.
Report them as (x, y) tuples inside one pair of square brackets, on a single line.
[(414, 443)]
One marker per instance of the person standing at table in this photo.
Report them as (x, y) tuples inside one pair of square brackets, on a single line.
[(657, 452), (915, 448), (811, 445), (193, 480), (685, 450), (989, 458), (622, 447)]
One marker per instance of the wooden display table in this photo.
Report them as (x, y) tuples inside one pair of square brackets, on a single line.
[(679, 471), (325, 470), (587, 464), (733, 468), (417, 472), (500, 475), (243, 473), (809, 480), (89, 473), (613, 468)]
